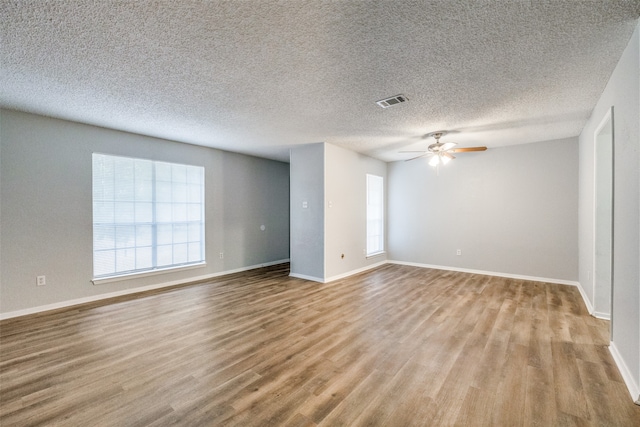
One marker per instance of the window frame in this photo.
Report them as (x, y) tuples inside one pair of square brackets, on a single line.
[(376, 217), (114, 227)]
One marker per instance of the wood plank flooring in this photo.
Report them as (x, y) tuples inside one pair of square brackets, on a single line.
[(394, 346)]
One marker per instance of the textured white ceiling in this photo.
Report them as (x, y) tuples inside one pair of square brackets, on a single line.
[(258, 76)]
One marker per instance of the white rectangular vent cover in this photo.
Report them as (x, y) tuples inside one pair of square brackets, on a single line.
[(388, 102)]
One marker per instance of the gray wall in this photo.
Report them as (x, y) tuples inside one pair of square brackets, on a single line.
[(346, 210), (510, 210), (46, 208), (623, 93), (307, 224)]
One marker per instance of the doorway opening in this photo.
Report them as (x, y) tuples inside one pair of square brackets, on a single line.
[(603, 218)]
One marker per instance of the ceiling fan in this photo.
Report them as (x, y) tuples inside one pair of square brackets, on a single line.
[(441, 152)]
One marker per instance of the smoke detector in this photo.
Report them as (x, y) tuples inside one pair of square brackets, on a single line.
[(394, 100)]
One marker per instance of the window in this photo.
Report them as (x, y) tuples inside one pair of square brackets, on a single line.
[(375, 215), (147, 215)]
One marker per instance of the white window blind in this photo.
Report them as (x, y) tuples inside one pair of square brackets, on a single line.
[(147, 215), (375, 214)]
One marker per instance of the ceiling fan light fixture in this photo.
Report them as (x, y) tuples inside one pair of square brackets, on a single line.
[(441, 152), (440, 158)]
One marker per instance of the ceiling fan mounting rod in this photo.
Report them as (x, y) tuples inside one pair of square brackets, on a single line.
[(436, 134)]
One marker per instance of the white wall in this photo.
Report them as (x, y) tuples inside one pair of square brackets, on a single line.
[(46, 209), (623, 93), (510, 210), (346, 210), (600, 294)]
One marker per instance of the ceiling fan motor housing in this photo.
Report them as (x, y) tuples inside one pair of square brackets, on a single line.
[(436, 147)]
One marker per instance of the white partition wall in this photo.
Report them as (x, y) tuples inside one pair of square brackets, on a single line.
[(328, 211), (623, 94)]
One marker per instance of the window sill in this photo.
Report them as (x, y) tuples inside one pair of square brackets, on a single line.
[(121, 277), (375, 254)]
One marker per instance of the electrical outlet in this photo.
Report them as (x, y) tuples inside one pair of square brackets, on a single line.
[(458, 252), (221, 255), (41, 280)]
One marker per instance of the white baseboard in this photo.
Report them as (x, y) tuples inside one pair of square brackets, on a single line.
[(489, 273), (305, 277), (93, 298), (585, 298), (339, 276), (352, 272), (629, 381), (587, 302), (441, 267), (599, 315)]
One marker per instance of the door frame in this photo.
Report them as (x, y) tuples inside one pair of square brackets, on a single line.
[(607, 120)]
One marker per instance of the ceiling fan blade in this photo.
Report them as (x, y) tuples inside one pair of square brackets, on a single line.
[(467, 149), (447, 146), (421, 155), (448, 155)]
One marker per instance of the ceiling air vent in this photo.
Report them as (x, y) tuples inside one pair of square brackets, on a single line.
[(388, 102)]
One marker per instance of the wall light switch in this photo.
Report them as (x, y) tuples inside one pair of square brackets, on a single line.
[(459, 252)]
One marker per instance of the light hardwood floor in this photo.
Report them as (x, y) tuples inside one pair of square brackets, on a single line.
[(394, 346)]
